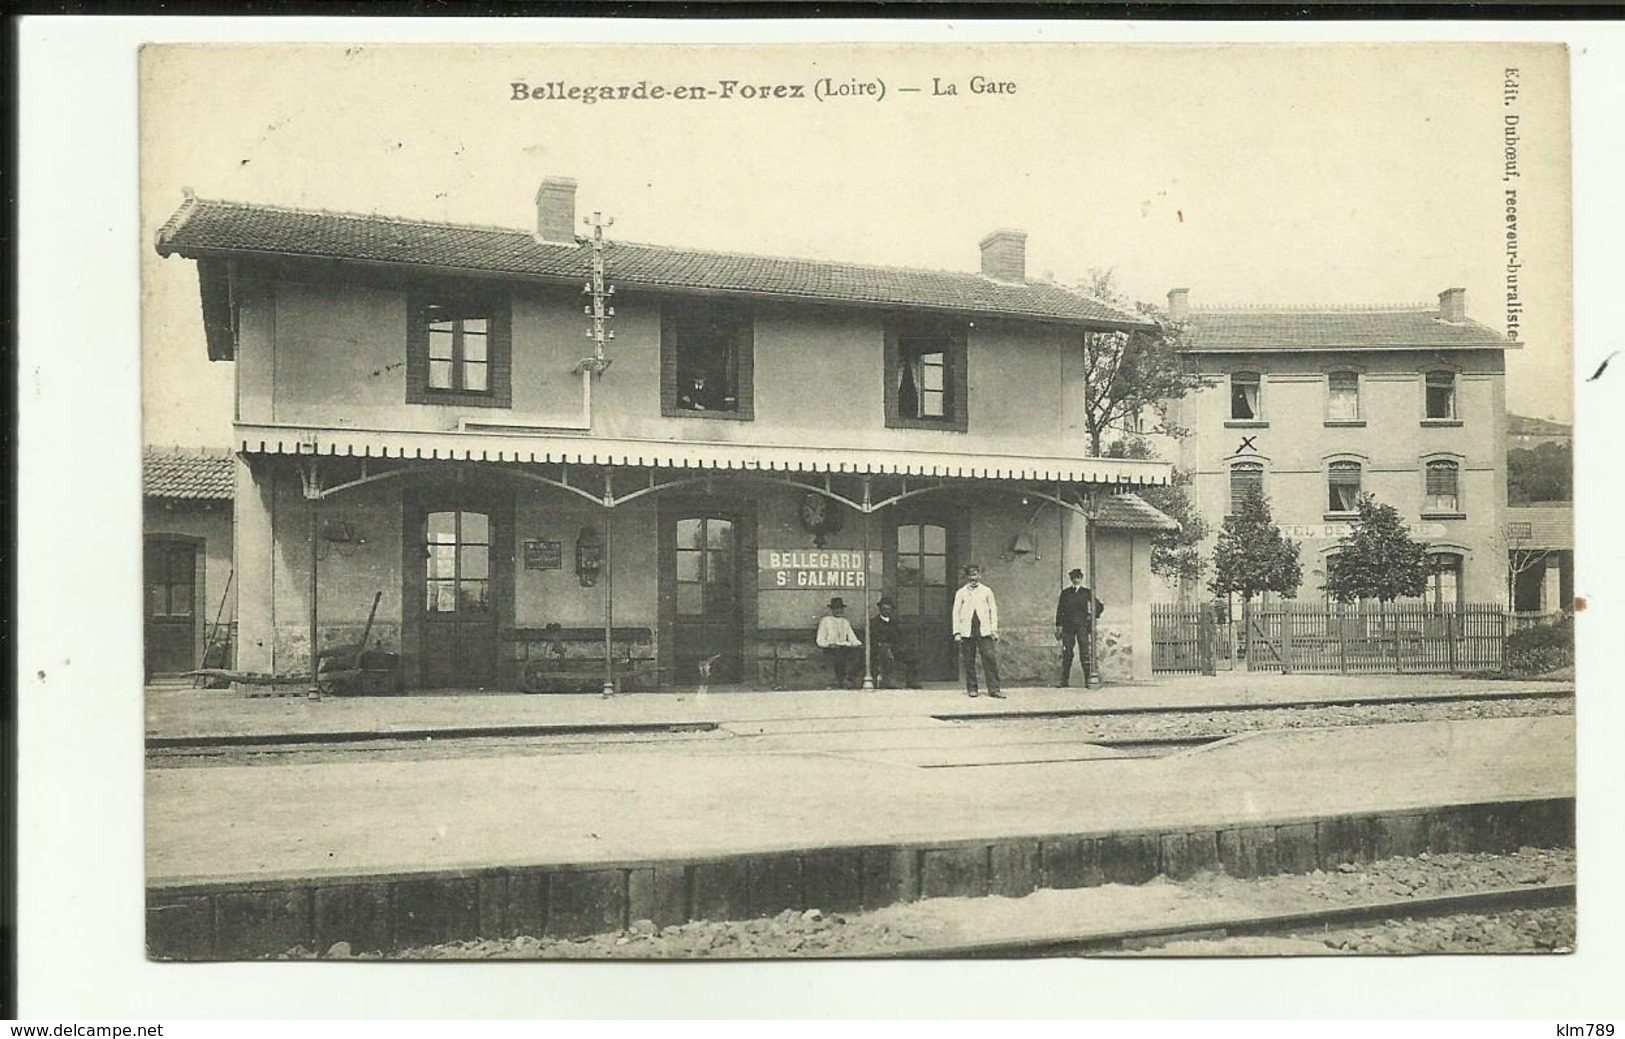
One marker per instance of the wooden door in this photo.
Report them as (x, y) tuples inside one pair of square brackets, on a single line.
[(701, 580), (458, 608), (921, 553), (173, 627)]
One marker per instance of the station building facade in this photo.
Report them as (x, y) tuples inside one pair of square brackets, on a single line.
[(428, 450), (1315, 405), (189, 595)]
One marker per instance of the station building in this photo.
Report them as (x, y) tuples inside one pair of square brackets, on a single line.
[(1315, 405), (431, 447), (190, 596)]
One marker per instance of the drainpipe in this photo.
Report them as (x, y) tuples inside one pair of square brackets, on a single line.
[(1094, 590), (313, 493), (609, 583), (868, 643)]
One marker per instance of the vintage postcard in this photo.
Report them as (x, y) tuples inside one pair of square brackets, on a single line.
[(864, 501)]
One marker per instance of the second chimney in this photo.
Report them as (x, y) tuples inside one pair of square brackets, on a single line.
[(1179, 304), (1004, 255), (556, 210), (1453, 306)]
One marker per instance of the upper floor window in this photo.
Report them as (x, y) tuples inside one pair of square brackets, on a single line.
[(1245, 478), (1343, 487), (1343, 397), (1441, 395), (1244, 396), (926, 381), (707, 355), (458, 351), (1442, 494)]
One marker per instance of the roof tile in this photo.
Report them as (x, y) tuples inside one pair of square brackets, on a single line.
[(1132, 512), (202, 476), (1310, 328), (204, 227)]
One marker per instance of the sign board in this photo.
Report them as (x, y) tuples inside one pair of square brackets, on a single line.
[(816, 569), (544, 555), (1337, 531)]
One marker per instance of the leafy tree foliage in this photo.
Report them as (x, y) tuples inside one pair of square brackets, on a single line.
[(1376, 559), (1253, 555), (1128, 375), (1174, 553), (1544, 472)]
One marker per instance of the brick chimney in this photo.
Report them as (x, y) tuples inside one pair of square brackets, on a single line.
[(1453, 306), (1179, 304), (556, 210), (1004, 255)]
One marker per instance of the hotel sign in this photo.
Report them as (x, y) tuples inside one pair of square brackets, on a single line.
[(1337, 531), (817, 569)]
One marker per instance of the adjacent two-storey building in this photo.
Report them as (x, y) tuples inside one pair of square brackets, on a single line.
[(1315, 405), (429, 435)]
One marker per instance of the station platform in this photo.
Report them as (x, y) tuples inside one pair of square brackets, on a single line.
[(251, 859), (179, 713)]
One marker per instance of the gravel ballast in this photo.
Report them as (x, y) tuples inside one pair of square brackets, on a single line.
[(936, 923)]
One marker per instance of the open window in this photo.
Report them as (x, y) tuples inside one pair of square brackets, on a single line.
[(1245, 394), (1440, 396), (707, 360), (926, 382), (1343, 487)]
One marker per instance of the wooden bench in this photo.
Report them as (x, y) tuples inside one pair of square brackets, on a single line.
[(556, 659)]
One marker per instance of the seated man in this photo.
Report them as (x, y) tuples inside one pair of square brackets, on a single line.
[(841, 645), (892, 652)]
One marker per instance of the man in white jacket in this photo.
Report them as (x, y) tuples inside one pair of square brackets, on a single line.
[(841, 645), (976, 629)]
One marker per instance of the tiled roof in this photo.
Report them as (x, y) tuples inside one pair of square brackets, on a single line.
[(198, 475), (1312, 328), (1540, 526), (1132, 512), (203, 227)]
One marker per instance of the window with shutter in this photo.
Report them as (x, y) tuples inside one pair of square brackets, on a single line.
[(1442, 494), (1245, 478)]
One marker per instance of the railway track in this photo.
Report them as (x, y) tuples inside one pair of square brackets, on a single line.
[(1490, 901), (161, 749)]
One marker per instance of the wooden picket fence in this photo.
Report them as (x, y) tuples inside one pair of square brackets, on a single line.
[(1321, 638)]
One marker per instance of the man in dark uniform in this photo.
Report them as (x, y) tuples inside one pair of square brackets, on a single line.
[(1075, 615), (892, 652)]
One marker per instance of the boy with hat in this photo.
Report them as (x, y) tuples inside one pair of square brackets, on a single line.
[(841, 645), (976, 629), (1075, 614), (891, 653)]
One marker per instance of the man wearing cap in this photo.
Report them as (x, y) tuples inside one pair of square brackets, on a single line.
[(1075, 614), (976, 629), (841, 645), (891, 653)]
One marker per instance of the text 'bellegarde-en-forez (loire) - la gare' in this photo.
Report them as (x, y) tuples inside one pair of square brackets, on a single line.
[(822, 88)]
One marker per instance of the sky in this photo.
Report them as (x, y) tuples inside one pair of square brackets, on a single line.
[(1265, 175)]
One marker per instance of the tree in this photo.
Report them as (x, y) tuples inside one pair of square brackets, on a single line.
[(1376, 559), (1522, 558), (1128, 374), (1175, 554), (1542, 473), (1253, 555)]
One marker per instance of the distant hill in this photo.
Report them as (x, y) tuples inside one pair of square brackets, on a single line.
[(1537, 428)]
